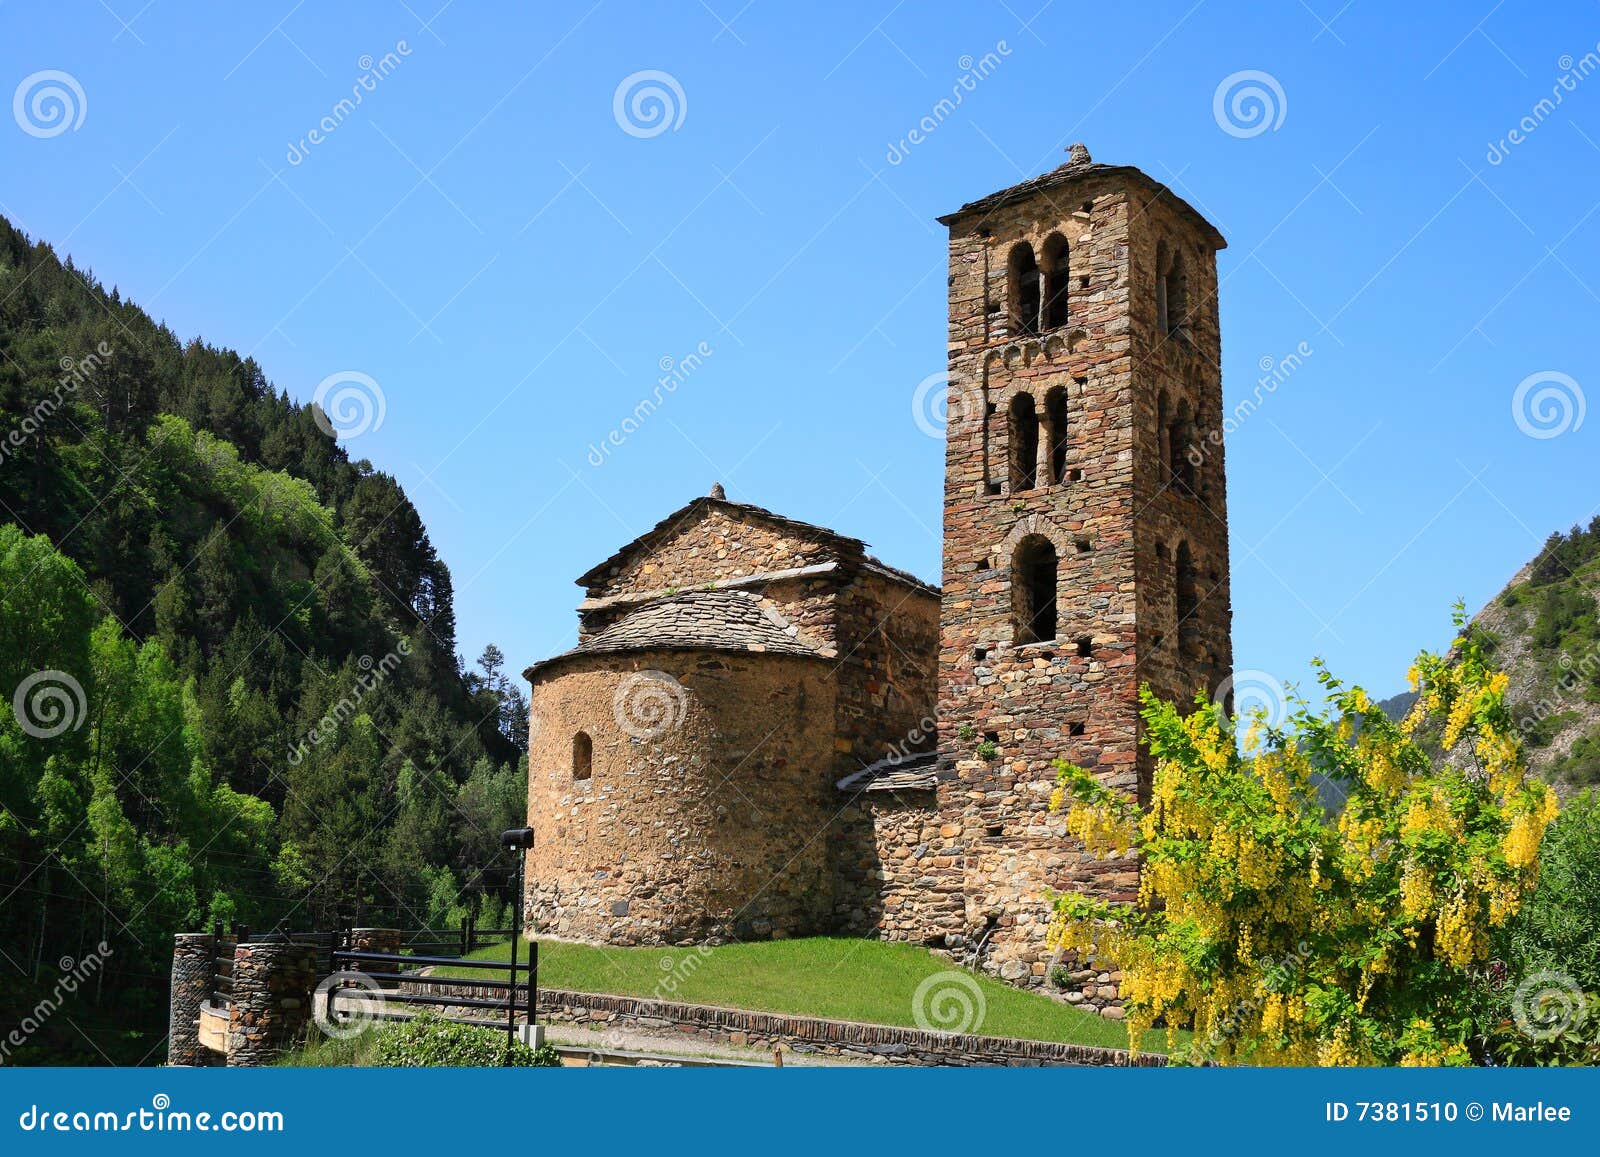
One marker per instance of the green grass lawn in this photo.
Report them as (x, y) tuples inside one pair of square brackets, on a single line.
[(839, 979)]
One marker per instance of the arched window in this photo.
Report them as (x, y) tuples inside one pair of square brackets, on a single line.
[(1180, 441), (1055, 419), (1024, 443), (1188, 600), (1057, 274), (1033, 590), (582, 756), (1171, 290), (1022, 275)]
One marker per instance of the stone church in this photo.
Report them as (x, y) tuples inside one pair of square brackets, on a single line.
[(764, 731)]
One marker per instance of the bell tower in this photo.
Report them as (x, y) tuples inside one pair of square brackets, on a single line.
[(1085, 520)]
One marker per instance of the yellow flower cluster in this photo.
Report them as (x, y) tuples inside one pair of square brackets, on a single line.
[(1236, 936)]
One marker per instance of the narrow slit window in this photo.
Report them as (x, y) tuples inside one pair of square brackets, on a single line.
[(1023, 277), (582, 756), (1024, 443), (1034, 579)]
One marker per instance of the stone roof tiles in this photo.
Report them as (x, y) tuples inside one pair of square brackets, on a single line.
[(919, 772), (1078, 165), (712, 620)]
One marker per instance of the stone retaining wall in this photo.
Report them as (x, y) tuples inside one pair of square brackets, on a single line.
[(872, 1043)]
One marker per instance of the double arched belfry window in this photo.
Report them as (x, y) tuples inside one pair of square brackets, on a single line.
[(1039, 442), (1037, 285)]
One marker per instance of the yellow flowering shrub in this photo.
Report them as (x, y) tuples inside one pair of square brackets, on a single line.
[(1284, 929)]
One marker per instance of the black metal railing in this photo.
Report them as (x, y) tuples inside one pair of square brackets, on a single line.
[(418, 948), (363, 979)]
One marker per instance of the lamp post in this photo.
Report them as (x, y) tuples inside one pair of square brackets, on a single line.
[(518, 841)]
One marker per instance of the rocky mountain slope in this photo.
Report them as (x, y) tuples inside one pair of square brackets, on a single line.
[(1544, 630)]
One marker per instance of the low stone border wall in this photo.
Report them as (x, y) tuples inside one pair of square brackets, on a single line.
[(875, 1043)]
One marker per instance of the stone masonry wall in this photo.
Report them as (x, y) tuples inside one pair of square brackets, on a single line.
[(272, 986), (193, 965), (1037, 702), (1183, 370), (1096, 501), (702, 831), (712, 543), (887, 670), (899, 868)]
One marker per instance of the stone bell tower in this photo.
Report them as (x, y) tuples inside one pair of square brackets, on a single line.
[(1085, 530)]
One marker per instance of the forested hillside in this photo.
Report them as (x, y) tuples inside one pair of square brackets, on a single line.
[(229, 663)]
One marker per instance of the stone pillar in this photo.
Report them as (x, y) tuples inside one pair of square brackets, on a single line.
[(193, 964), (376, 940), (272, 987), (385, 940)]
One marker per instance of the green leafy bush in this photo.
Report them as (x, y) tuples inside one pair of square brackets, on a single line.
[(431, 1041)]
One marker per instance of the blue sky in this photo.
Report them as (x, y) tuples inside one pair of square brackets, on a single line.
[(485, 239)]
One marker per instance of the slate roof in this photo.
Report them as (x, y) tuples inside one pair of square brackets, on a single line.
[(1077, 166), (896, 773), (847, 547), (725, 620)]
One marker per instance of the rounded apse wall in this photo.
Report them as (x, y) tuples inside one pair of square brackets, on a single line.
[(680, 797)]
